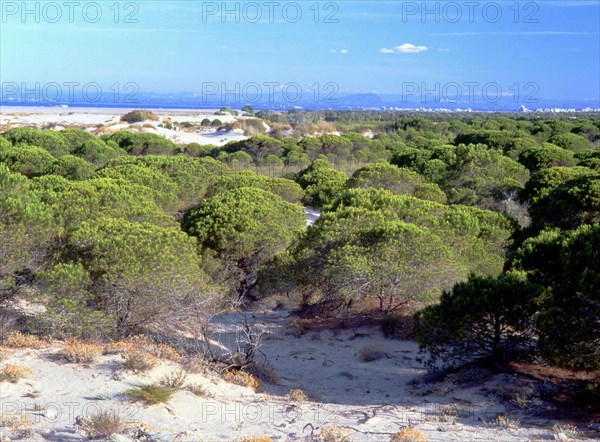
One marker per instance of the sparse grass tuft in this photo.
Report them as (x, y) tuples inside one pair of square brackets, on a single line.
[(39, 407), (103, 424), (408, 435), (199, 390), (139, 361), (242, 378), (151, 394), (80, 352), (371, 352), (14, 373), (175, 379)]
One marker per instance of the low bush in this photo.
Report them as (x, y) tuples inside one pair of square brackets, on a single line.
[(103, 424), (151, 394), (137, 116), (175, 379), (397, 327), (139, 361), (371, 352)]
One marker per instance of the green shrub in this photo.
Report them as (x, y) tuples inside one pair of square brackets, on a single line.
[(151, 394)]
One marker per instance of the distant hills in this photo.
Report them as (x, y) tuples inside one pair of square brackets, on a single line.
[(306, 100)]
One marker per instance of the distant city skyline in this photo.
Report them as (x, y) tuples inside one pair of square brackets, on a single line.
[(544, 50)]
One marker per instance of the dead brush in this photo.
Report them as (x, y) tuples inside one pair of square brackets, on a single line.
[(144, 344), (14, 373), (333, 433), (408, 435), (20, 340), (81, 352), (241, 378), (296, 395), (265, 372), (19, 423)]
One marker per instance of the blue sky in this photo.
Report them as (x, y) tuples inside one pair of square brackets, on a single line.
[(360, 46)]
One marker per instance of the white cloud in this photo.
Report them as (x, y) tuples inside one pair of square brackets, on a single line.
[(341, 51), (406, 48)]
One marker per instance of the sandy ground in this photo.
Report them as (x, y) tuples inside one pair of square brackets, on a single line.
[(107, 120), (312, 215), (368, 401)]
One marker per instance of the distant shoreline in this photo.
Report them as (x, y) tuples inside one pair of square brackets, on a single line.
[(107, 109), (96, 109)]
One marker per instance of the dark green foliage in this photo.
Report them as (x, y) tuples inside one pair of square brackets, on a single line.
[(286, 189), (468, 174), (141, 274), (75, 138), (191, 175), (569, 141), (72, 168), (239, 229), (77, 201), (321, 182), (482, 177), (398, 180), (46, 139), (69, 301), (244, 223), (545, 157), (487, 318), (569, 204), (26, 227), (142, 143), (373, 243), (28, 160), (165, 189), (258, 147), (97, 151), (567, 263), (495, 139)]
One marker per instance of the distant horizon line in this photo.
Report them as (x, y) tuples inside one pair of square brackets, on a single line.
[(423, 108)]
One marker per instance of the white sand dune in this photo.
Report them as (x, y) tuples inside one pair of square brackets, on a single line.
[(369, 401), (107, 120)]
